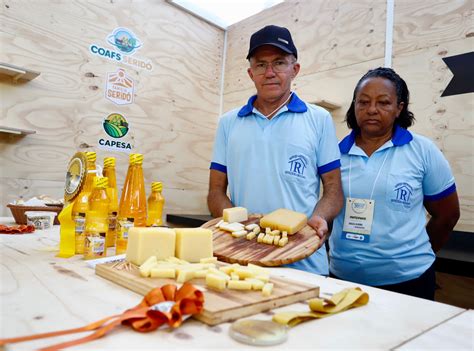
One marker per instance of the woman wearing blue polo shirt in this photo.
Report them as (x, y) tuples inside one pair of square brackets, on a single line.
[(390, 176)]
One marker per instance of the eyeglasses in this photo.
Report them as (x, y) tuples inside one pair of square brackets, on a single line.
[(278, 66)]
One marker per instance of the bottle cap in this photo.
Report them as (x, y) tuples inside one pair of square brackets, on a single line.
[(91, 156), (131, 158), (101, 182), (137, 159), (109, 162), (156, 186)]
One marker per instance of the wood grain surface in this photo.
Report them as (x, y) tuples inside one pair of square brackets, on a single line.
[(173, 117), (222, 306), (243, 251)]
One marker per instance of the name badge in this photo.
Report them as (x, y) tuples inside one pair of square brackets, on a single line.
[(358, 218)]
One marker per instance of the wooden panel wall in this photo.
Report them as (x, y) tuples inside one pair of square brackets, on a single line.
[(338, 41), (172, 120)]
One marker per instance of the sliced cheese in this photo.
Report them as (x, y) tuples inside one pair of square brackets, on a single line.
[(145, 242), (284, 220), (232, 227), (235, 214), (192, 244)]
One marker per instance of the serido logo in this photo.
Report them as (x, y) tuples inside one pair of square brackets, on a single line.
[(115, 125)]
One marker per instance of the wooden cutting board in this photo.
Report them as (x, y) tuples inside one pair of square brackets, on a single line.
[(240, 250), (222, 306)]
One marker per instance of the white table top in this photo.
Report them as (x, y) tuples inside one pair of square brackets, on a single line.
[(40, 293)]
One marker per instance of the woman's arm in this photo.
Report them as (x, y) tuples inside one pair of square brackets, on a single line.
[(444, 216)]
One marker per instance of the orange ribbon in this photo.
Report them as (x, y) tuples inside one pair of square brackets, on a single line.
[(147, 316), (16, 229)]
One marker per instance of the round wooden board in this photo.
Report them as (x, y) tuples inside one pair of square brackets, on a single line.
[(243, 251)]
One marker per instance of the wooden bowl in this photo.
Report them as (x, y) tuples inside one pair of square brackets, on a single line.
[(18, 211)]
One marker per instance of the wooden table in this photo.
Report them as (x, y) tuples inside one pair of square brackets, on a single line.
[(40, 292)]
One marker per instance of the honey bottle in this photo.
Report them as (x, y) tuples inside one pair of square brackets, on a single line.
[(109, 172), (97, 220), (132, 207), (81, 203), (156, 201)]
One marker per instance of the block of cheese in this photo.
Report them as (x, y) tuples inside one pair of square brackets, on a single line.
[(153, 241), (192, 244), (235, 214), (284, 220)]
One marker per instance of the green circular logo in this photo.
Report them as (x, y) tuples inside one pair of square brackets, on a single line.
[(115, 125)]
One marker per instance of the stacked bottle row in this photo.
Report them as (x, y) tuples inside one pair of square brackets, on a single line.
[(100, 221)]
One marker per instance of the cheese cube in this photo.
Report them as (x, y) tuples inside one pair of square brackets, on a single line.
[(215, 281), (146, 266), (192, 244), (276, 239), (283, 241), (235, 214), (145, 242), (257, 284), (201, 273), (284, 220), (184, 276), (212, 259), (267, 289), (239, 285), (162, 272)]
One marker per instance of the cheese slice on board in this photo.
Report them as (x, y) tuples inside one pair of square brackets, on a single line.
[(284, 220)]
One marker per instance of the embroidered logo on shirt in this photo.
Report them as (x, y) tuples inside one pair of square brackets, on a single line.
[(297, 165), (402, 193)]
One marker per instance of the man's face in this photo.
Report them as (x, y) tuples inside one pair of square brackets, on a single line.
[(272, 71)]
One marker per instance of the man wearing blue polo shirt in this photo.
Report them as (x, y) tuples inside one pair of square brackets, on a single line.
[(272, 152)]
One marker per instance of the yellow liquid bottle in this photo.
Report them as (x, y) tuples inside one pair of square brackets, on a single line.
[(81, 203), (156, 202), (109, 172), (97, 220), (132, 208)]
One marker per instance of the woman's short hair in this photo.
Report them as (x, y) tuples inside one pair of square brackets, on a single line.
[(406, 118)]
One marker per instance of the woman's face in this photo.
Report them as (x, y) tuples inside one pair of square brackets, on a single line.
[(376, 107)]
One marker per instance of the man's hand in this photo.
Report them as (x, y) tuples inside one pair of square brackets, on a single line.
[(320, 226)]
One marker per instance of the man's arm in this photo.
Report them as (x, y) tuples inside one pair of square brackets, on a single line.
[(330, 204), (217, 198), (444, 216)]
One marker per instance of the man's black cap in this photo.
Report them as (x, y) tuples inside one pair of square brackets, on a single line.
[(272, 35)]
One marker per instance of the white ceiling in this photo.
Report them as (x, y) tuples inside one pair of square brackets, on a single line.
[(223, 13)]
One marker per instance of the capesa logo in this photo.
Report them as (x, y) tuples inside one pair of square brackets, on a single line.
[(402, 194), (126, 44), (116, 127), (297, 165)]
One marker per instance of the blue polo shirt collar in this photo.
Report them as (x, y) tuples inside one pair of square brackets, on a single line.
[(401, 136), (295, 105)]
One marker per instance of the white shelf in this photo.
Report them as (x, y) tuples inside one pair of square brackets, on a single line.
[(327, 104), (17, 131), (17, 73)]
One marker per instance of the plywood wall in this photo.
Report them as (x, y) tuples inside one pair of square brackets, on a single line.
[(338, 41), (172, 120)]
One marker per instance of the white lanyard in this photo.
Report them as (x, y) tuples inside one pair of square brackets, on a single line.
[(376, 178)]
